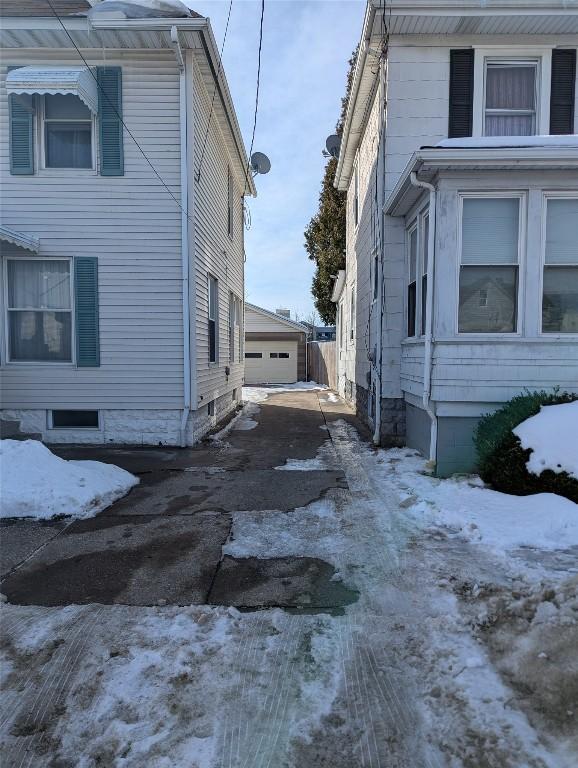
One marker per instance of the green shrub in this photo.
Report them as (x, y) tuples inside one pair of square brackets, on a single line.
[(501, 458)]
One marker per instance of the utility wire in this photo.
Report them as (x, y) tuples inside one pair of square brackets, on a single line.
[(101, 89), (214, 91), (257, 91)]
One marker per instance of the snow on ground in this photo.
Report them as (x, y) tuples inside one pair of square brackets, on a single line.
[(259, 394), (36, 483), (497, 521), (552, 436)]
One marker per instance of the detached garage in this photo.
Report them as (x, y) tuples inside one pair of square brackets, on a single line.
[(274, 348)]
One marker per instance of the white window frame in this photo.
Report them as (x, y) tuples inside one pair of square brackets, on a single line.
[(356, 211), (352, 316), (230, 203), (50, 420), (520, 195), (551, 195), (235, 321), (374, 275), (423, 245), (41, 143), (215, 319), (506, 54), (409, 230), (6, 312)]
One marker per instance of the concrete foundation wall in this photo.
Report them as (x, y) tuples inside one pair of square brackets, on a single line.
[(455, 449), (418, 429), (392, 432), (129, 427)]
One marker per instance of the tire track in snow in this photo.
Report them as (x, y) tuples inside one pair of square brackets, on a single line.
[(52, 690)]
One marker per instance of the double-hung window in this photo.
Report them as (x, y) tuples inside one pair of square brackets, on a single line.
[(511, 97), (213, 320), (352, 315), (230, 203), (424, 262), (412, 281), (235, 314), (68, 132), (356, 195), (560, 291), (39, 308), (488, 281)]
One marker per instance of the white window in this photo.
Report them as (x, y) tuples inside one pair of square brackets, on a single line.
[(412, 245), (213, 319), (235, 335), (560, 291), (424, 262), (39, 308), (230, 205), (488, 281), (67, 132), (511, 97), (356, 195), (352, 314)]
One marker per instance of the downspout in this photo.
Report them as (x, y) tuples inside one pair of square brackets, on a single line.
[(429, 340), (379, 212), (184, 237)]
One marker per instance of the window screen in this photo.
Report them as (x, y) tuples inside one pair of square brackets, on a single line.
[(489, 265), (560, 289), (75, 419)]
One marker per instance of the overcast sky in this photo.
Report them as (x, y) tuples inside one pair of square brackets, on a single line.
[(306, 46)]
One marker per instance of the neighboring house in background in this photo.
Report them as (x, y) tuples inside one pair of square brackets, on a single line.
[(319, 332), (461, 171), (122, 299), (275, 348)]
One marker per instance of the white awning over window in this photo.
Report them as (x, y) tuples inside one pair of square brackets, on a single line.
[(78, 81), (20, 239)]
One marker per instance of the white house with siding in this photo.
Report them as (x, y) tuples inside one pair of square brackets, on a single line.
[(123, 173), (460, 162)]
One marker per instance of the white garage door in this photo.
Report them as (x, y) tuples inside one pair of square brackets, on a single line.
[(270, 362)]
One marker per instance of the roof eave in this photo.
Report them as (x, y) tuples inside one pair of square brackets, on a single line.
[(338, 286), (483, 158)]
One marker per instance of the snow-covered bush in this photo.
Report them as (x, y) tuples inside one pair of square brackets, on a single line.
[(502, 461)]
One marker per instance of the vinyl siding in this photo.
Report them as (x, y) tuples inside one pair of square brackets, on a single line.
[(215, 252), (132, 226), (255, 322)]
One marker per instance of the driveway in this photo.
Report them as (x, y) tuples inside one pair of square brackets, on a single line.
[(259, 601)]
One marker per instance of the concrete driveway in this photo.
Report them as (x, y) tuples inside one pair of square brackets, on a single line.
[(262, 601), (162, 544)]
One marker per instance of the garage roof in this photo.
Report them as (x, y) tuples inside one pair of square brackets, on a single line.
[(279, 318)]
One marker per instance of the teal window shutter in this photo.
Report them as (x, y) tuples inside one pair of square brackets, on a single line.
[(21, 135), (86, 312), (110, 121)]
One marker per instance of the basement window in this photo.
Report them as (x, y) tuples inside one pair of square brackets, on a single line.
[(74, 420), (211, 408)]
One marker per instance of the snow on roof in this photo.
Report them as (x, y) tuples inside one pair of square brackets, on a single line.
[(495, 142)]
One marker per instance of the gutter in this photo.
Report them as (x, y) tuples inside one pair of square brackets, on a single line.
[(184, 170), (429, 340)]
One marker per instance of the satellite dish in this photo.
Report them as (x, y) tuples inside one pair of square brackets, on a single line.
[(333, 144), (260, 163)]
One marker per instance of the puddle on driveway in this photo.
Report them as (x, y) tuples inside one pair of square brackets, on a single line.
[(306, 584)]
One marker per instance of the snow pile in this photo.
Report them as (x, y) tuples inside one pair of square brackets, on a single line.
[(36, 483), (259, 394), (496, 520), (552, 436)]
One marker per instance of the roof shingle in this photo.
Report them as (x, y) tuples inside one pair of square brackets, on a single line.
[(42, 8)]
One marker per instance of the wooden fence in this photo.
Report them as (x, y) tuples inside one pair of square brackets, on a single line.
[(322, 362)]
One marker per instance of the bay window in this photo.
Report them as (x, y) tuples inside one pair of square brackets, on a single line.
[(511, 88), (39, 309), (488, 279), (412, 282), (68, 129), (560, 286)]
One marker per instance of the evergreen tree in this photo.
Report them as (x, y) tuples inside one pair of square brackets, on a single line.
[(325, 234)]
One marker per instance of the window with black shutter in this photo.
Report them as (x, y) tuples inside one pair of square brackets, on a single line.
[(562, 91), (461, 93)]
